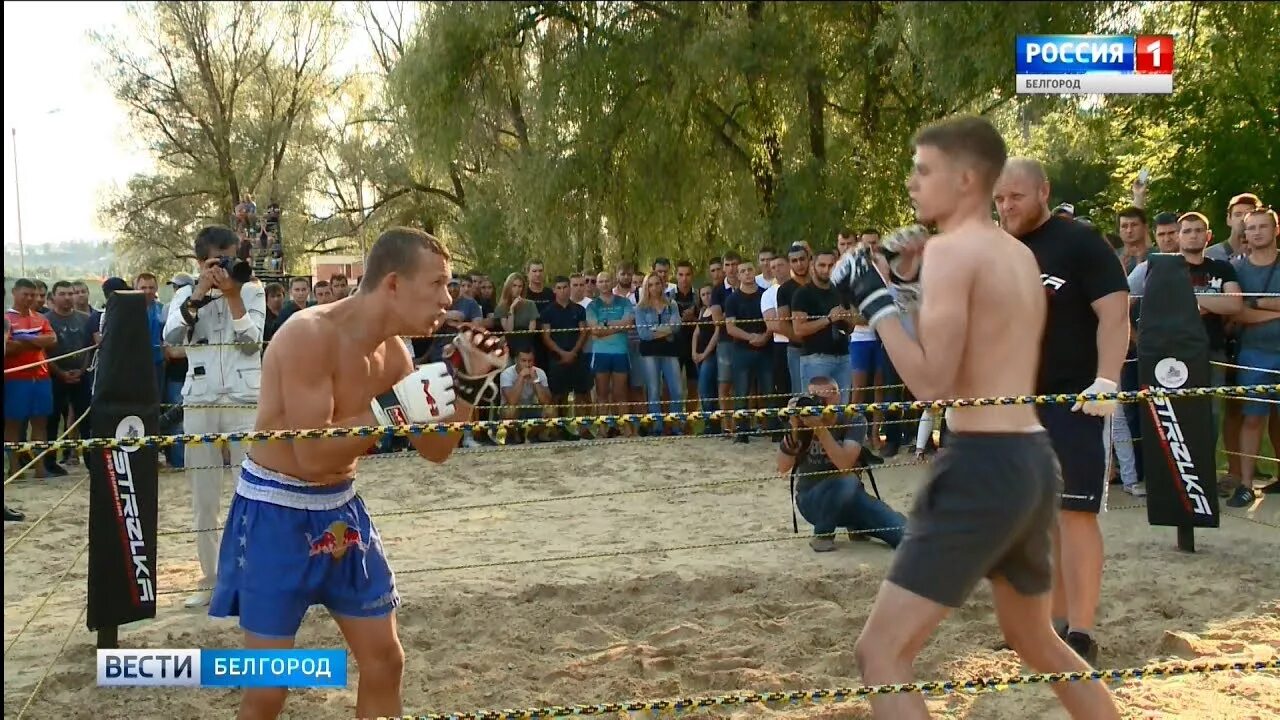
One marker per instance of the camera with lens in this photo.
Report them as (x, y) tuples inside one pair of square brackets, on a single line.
[(239, 270), (807, 400)]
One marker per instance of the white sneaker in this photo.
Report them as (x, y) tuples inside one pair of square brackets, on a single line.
[(200, 599), (469, 442), (1136, 490)]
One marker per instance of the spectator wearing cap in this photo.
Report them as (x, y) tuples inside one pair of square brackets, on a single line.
[(1066, 210)]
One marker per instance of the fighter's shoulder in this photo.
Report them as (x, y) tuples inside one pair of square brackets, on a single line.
[(953, 250), (307, 332)]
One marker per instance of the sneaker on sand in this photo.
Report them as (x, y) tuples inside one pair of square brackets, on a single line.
[(11, 515), (199, 599), (1242, 497), (1271, 489), (1136, 490)]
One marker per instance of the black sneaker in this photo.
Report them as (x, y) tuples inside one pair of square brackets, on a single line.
[(1271, 489), (889, 449), (1242, 497), (743, 439), (1084, 646), (53, 469), (11, 515)]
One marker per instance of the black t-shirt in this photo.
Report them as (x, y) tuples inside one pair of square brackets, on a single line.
[(271, 325), (175, 370), (720, 296), (786, 293), (704, 336), (1208, 278), (684, 337), (569, 317), (744, 310), (541, 298), (486, 307), (816, 302), (1077, 267)]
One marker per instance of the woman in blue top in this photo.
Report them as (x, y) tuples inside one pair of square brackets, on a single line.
[(658, 326)]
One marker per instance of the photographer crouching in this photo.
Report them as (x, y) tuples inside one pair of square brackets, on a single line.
[(219, 322), (836, 498)]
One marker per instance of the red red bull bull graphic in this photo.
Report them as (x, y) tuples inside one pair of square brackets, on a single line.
[(336, 540)]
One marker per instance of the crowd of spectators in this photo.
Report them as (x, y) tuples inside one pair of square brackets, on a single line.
[(753, 333)]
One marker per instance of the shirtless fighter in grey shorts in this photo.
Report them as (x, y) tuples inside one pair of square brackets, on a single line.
[(989, 505)]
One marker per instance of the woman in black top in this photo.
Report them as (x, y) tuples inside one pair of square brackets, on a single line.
[(706, 338), (752, 363)]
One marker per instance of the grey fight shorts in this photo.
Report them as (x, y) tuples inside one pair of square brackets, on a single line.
[(988, 509)]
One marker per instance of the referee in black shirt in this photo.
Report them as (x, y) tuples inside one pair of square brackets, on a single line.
[(1085, 339)]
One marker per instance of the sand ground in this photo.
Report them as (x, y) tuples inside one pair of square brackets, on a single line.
[(759, 616)]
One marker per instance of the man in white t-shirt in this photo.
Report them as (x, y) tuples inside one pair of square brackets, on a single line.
[(524, 387), (779, 267), (766, 279)]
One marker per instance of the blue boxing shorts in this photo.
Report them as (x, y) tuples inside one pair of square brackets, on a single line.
[(288, 545)]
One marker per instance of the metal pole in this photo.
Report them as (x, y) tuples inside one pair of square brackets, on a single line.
[(17, 191)]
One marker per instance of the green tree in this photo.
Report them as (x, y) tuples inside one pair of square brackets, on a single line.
[(223, 95), (595, 132)]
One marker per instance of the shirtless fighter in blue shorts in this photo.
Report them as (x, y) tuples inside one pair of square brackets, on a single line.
[(297, 534), (989, 506)]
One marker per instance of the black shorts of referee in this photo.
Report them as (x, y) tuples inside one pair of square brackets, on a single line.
[(1083, 446)]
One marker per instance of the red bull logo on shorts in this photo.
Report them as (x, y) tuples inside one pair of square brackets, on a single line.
[(335, 540)]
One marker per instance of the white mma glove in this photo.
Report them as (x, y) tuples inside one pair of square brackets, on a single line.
[(426, 394), (904, 281), (1097, 408), (904, 241)]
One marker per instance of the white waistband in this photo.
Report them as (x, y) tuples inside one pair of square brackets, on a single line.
[(285, 497)]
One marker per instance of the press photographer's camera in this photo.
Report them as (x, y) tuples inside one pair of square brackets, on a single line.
[(239, 270), (807, 400)]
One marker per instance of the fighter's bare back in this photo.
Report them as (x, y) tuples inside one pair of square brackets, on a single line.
[(315, 359), (1006, 311)]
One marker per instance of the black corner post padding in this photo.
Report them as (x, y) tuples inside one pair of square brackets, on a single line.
[(123, 492), (1179, 437)]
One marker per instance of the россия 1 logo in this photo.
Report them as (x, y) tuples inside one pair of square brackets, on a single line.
[(1089, 64)]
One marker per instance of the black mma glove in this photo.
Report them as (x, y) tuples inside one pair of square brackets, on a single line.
[(858, 283), (478, 357)]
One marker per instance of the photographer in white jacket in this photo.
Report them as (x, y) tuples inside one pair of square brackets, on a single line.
[(219, 322)]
